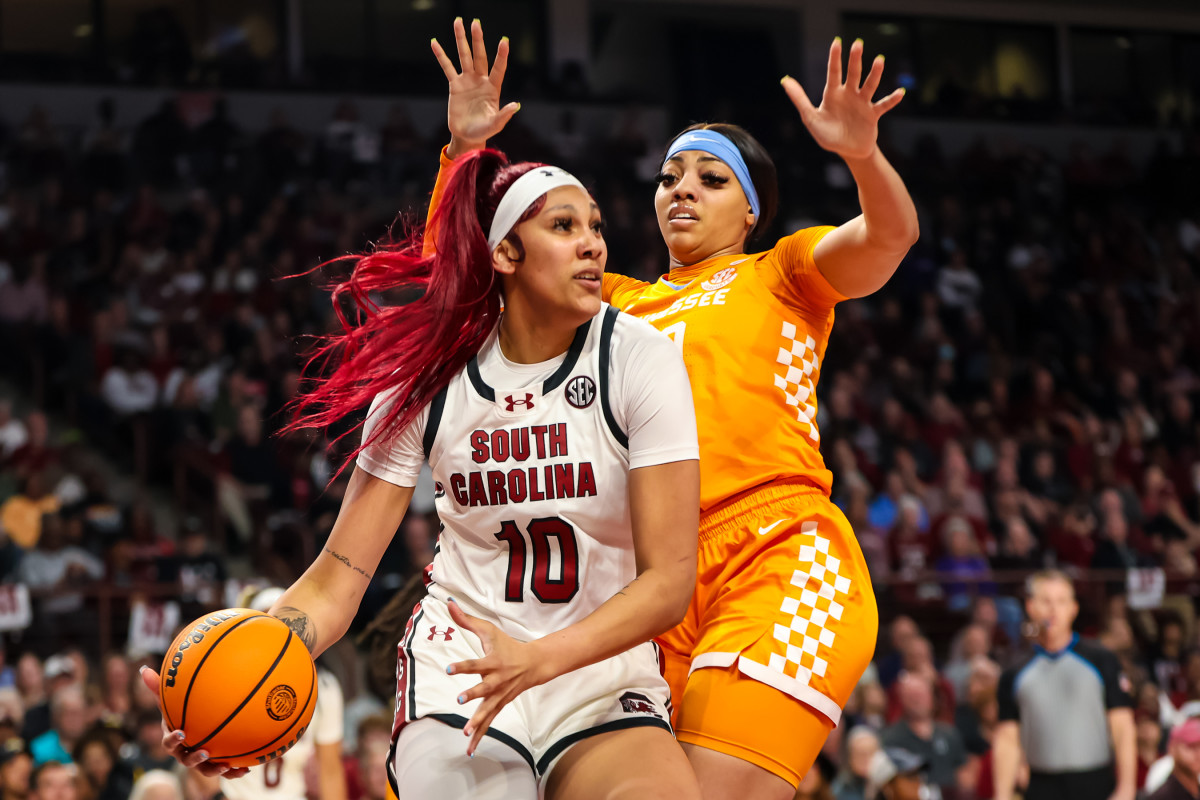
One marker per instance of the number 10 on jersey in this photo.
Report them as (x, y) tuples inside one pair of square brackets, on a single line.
[(548, 585)]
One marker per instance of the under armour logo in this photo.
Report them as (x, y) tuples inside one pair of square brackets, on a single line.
[(527, 403), (433, 631)]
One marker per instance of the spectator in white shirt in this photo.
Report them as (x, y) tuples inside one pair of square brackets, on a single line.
[(128, 387)]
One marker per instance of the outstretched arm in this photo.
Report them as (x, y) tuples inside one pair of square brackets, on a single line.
[(861, 255)]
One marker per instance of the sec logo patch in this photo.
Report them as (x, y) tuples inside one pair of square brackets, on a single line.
[(719, 279), (581, 391)]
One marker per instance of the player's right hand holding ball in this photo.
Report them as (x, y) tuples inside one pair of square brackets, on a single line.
[(173, 741)]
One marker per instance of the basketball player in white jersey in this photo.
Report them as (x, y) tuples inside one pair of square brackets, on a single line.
[(562, 438), (283, 777)]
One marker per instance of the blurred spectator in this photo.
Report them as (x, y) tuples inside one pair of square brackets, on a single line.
[(97, 762), (115, 697), (1149, 741), (936, 743), (366, 774), (970, 643), (1165, 663), (24, 513), (146, 752), (12, 431), (62, 569), (53, 780), (157, 784), (16, 768), (1184, 749), (918, 660), (901, 630), (898, 774), (962, 562), (199, 571), (861, 745), (976, 718), (31, 683), (12, 714), (68, 718), (815, 785)]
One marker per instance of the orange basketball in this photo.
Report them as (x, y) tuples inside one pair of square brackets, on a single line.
[(240, 685)]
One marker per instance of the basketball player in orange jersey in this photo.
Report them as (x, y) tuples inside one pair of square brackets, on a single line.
[(783, 622)]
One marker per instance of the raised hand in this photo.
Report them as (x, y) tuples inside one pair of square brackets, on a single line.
[(847, 121), (507, 668), (173, 742), (474, 114)]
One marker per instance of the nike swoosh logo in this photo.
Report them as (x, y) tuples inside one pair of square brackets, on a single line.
[(772, 526), (740, 260)]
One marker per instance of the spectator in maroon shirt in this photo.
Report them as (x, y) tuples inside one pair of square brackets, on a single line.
[(1075, 542)]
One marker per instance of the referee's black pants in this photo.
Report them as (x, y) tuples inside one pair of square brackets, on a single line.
[(1091, 784)]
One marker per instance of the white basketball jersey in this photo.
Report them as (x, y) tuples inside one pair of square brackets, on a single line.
[(532, 489), (283, 778)]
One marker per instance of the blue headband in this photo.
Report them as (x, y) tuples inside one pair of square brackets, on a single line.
[(716, 144)]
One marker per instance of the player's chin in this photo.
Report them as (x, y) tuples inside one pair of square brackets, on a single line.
[(590, 303), (681, 242)]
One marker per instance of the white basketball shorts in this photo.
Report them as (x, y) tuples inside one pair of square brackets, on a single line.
[(625, 691)]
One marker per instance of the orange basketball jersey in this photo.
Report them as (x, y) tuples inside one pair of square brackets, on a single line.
[(753, 330)]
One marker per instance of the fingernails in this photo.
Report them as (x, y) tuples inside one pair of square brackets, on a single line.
[(452, 600), (203, 755), (837, 39), (470, 754), (180, 735), (475, 21), (504, 38), (142, 669), (449, 670), (518, 109), (462, 698), (466, 731), (784, 78), (903, 91), (858, 41)]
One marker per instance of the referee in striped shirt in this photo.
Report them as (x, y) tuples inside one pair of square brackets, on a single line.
[(1067, 706)]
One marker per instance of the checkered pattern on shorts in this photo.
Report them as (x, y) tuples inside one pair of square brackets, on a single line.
[(819, 587), (799, 360)]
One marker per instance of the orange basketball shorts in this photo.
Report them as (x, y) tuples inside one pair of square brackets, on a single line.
[(782, 625)]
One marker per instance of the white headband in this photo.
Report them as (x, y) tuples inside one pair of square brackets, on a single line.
[(520, 196)]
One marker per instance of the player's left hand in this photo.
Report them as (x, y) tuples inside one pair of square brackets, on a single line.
[(847, 121), (508, 668)]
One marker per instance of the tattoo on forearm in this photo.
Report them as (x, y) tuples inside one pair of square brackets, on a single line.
[(346, 561), (300, 624), (626, 586)]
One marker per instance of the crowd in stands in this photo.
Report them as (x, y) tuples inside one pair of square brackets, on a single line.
[(76, 729), (1021, 395)]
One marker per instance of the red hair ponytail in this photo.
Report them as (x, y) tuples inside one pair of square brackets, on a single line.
[(416, 348)]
